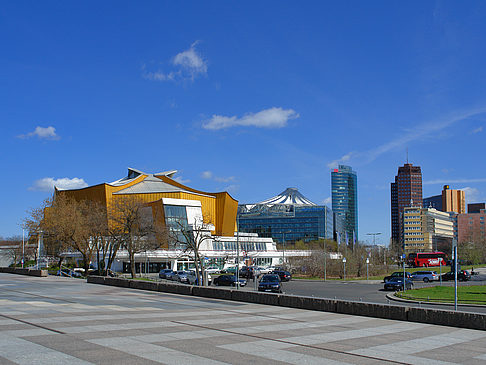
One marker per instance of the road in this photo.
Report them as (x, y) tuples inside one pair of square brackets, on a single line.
[(371, 292), (366, 291), (67, 321)]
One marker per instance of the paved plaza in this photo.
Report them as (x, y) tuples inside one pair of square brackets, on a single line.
[(66, 321)]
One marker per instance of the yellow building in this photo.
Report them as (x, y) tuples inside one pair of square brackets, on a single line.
[(453, 200), (218, 209), (426, 229)]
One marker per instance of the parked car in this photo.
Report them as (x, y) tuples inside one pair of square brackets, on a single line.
[(284, 275), (180, 276), (97, 272), (170, 275), (69, 273), (425, 276), (163, 273), (228, 280), (397, 274), (212, 270), (462, 275), (267, 270), (270, 282), (192, 278), (229, 270), (249, 272), (396, 283)]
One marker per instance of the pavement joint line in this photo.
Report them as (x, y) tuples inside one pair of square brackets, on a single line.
[(292, 343), (33, 324), (42, 296), (228, 310)]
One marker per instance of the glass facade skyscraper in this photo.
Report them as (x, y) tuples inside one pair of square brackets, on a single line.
[(288, 217), (344, 190)]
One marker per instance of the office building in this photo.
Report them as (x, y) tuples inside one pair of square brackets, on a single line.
[(406, 191), (426, 229), (475, 207), (453, 200), (449, 201), (470, 227), (287, 218), (344, 191), (433, 202)]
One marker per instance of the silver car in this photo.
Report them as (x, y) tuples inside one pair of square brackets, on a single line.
[(425, 276), (180, 276), (192, 278)]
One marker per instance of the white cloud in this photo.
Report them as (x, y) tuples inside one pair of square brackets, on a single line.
[(477, 130), (341, 160), (419, 132), (224, 179), (48, 184), (451, 181), (187, 65), (210, 176), (191, 62), (267, 118), (472, 194), (181, 180), (327, 201), (233, 188), (42, 133), (207, 175)]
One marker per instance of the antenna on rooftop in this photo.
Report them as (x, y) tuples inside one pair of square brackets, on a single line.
[(407, 155)]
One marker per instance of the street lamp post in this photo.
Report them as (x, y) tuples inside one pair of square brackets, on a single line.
[(23, 247), (325, 258), (374, 236), (454, 250), (367, 263), (283, 250), (404, 276), (237, 271), (344, 268)]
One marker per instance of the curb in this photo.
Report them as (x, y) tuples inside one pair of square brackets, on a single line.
[(386, 311)]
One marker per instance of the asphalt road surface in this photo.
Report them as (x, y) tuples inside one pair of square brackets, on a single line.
[(371, 292), (67, 321)]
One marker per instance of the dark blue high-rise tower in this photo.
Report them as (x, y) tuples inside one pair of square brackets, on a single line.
[(345, 200)]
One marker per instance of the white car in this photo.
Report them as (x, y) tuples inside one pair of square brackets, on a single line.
[(212, 270), (266, 270)]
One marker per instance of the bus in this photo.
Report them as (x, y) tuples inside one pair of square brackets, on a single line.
[(426, 259)]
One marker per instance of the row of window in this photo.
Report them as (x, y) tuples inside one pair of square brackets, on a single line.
[(244, 246)]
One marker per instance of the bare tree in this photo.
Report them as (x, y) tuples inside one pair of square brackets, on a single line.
[(132, 228), (191, 237), (12, 249)]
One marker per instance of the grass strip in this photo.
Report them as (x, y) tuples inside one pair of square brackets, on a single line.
[(474, 294)]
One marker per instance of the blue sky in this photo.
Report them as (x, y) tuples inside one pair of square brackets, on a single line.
[(249, 97)]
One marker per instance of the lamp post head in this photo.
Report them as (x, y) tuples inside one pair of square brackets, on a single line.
[(344, 260)]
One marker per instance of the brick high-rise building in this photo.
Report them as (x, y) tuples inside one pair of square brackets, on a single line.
[(471, 227), (406, 191), (475, 207)]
